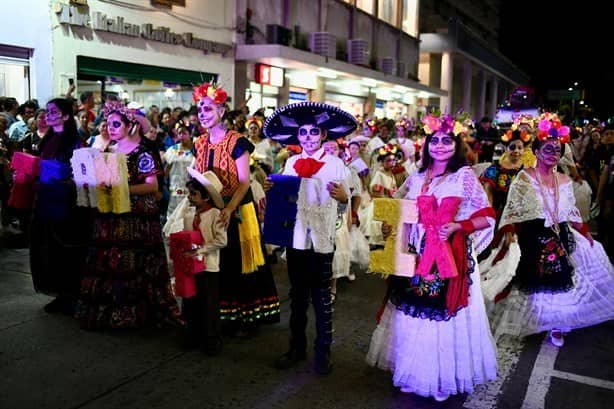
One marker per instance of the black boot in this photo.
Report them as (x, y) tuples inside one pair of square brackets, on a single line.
[(324, 329), (322, 364), (290, 359)]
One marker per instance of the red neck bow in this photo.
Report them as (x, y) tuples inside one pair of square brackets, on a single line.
[(306, 168)]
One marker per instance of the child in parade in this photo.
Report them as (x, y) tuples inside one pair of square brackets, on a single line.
[(310, 259), (201, 312)]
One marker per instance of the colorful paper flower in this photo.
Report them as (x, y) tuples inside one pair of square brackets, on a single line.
[(550, 127), (210, 90), (435, 122)]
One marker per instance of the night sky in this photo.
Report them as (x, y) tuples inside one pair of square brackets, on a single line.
[(557, 45)]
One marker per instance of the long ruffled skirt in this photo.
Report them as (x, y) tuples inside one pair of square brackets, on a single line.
[(427, 356), (589, 302)]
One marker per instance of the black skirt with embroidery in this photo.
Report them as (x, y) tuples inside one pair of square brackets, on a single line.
[(545, 262), (426, 299)]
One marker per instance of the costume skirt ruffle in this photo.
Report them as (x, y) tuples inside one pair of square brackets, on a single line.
[(341, 259), (427, 356), (245, 299), (589, 302)]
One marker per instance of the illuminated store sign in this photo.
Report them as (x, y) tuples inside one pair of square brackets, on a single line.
[(268, 75), (101, 22)]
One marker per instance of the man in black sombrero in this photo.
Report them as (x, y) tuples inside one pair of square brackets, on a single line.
[(310, 258)]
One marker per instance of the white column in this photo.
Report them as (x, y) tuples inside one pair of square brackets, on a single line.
[(447, 79), (494, 96), (481, 95), (467, 88)]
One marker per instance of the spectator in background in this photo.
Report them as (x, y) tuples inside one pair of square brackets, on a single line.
[(11, 106), (487, 136), (83, 129), (19, 128), (30, 141), (88, 103), (102, 140)]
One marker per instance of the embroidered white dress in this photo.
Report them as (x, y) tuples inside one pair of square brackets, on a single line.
[(451, 355), (341, 259), (589, 302), (179, 159), (372, 229)]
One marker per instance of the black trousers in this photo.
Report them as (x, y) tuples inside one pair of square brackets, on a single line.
[(310, 276), (202, 312)]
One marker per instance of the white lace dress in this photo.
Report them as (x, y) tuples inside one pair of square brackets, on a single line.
[(448, 355), (589, 302)]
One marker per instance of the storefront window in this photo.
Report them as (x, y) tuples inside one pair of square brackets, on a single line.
[(145, 84), (366, 5), (409, 18), (261, 97), (388, 10), (14, 79)]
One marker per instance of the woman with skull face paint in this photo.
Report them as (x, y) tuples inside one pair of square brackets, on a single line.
[(248, 296), (433, 330), (564, 279), (59, 227), (126, 283), (496, 180)]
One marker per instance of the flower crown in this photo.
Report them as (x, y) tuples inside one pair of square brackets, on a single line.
[(446, 123), (119, 107), (370, 123), (523, 119), (509, 135), (406, 123), (550, 127), (254, 120), (388, 149), (181, 124), (211, 90)]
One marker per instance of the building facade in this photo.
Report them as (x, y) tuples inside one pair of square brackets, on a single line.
[(459, 54), (359, 55), (136, 50)]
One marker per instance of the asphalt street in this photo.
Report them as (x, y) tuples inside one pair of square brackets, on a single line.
[(47, 361)]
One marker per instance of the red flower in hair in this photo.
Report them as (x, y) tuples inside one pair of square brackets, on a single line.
[(213, 91)]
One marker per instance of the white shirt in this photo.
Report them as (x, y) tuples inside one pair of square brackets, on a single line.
[(316, 220)]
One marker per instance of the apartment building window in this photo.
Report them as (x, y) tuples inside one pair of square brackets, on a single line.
[(388, 10), (366, 5), (409, 17)]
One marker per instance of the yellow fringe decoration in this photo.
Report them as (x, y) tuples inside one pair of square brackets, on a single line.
[(112, 170), (394, 258), (249, 236), (528, 158)]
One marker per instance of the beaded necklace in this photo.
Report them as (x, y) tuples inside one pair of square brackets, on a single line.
[(554, 213)]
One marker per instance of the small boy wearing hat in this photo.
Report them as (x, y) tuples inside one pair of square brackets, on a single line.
[(202, 312), (310, 258)]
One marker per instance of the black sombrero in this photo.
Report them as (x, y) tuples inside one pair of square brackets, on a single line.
[(282, 125)]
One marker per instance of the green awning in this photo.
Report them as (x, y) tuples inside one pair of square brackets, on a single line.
[(97, 67)]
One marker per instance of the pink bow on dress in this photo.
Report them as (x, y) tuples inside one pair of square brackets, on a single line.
[(436, 251)]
